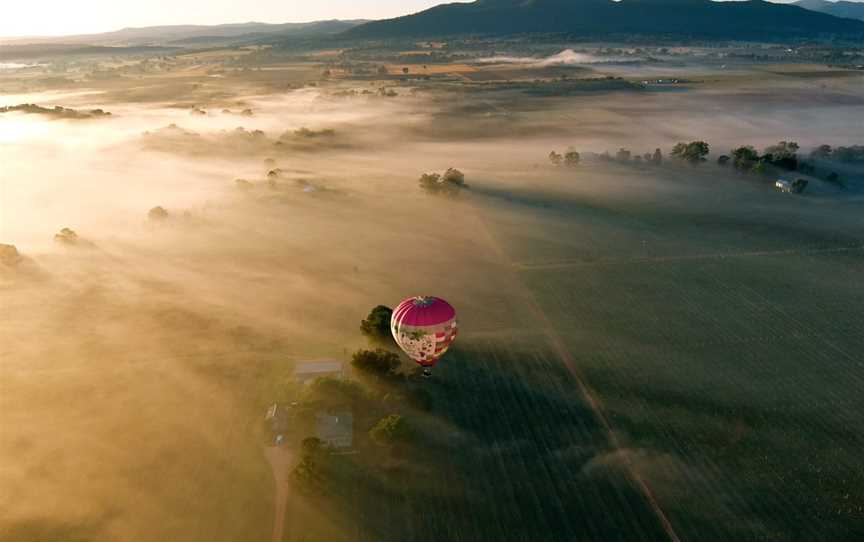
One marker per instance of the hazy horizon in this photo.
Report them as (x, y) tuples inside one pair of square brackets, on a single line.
[(91, 17)]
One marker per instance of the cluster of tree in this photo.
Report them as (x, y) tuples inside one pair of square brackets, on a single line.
[(56, 111), (381, 414), (783, 155), (570, 158), (176, 139), (350, 93), (242, 134), (624, 156), (853, 154), (307, 133), (449, 184)]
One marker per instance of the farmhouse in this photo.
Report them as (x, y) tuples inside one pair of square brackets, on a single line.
[(794, 187), (336, 429)]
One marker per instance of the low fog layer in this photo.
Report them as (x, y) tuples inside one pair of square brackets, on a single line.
[(138, 352)]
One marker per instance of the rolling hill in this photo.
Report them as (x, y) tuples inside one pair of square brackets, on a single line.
[(180, 35), (849, 10), (752, 19)]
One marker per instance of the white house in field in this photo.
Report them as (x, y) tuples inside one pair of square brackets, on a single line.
[(307, 371)]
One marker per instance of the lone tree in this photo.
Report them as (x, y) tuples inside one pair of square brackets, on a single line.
[(454, 177), (9, 255), (378, 362), (555, 158), (376, 326), (693, 152), (390, 431), (157, 214), (67, 236), (657, 157)]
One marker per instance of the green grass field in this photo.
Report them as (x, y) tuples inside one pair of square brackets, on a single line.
[(679, 364)]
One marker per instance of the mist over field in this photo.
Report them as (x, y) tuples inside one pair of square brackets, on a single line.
[(654, 350)]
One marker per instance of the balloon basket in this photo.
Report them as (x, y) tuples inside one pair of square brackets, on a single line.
[(427, 373)]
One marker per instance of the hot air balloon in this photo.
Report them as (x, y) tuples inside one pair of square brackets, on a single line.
[(424, 327)]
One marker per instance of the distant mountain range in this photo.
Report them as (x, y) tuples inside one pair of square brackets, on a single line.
[(185, 35), (850, 10), (749, 19), (752, 20)]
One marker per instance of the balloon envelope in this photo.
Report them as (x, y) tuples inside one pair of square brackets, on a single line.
[(424, 327)]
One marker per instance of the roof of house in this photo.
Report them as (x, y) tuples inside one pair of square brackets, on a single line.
[(335, 428)]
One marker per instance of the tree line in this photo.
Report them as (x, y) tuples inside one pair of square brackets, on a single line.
[(782, 156)]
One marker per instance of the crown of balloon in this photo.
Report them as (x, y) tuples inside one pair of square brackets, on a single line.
[(423, 300)]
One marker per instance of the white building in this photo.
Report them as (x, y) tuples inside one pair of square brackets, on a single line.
[(783, 185)]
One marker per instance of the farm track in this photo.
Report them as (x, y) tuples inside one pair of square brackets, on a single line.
[(565, 264), (594, 403)]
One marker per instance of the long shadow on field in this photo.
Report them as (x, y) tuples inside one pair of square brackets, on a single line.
[(501, 456), (788, 223)]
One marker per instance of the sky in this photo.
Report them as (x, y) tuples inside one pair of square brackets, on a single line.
[(65, 17)]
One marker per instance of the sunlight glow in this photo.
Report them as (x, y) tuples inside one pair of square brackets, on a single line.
[(60, 17)]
